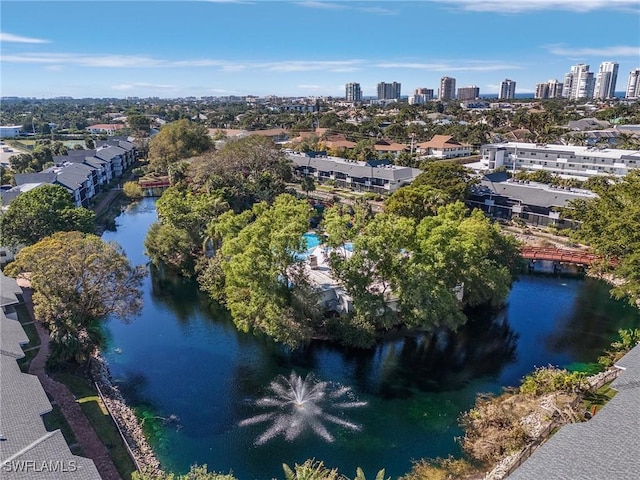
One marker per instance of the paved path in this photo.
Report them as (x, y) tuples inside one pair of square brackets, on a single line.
[(92, 446)]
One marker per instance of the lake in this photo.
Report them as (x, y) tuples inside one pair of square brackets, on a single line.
[(184, 357)]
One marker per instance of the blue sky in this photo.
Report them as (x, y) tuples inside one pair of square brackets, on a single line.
[(301, 48)]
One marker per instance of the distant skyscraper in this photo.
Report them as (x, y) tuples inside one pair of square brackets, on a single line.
[(507, 90), (606, 80), (447, 88), (578, 83), (388, 91), (633, 85), (353, 92), (550, 89), (468, 93)]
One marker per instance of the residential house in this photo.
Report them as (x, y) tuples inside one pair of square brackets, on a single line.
[(374, 176), (105, 128), (443, 146), (384, 146)]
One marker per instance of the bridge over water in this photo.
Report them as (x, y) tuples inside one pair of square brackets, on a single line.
[(562, 255)]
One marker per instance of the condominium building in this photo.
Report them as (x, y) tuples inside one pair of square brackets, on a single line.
[(468, 93), (550, 89), (389, 91), (420, 96), (447, 89), (578, 83), (567, 160), (633, 85), (507, 89), (606, 80), (353, 92)]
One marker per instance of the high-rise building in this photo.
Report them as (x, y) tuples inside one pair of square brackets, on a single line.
[(550, 89), (388, 91), (468, 93), (606, 80), (578, 83), (633, 85), (421, 95), (353, 92), (447, 89), (507, 89)]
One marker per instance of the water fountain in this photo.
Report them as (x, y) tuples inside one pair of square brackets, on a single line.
[(298, 405)]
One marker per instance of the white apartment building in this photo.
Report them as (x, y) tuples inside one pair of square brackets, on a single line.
[(606, 80), (550, 89), (565, 160), (633, 85), (578, 83)]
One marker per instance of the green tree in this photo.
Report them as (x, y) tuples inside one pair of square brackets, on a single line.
[(419, 274), (610, 224), (266, 287), (139, 122), (308, 185), (78, 280), (178, 239), (416, 202), (132, 190), (453, 179), (41, 212), (177, 141), (245, 171)]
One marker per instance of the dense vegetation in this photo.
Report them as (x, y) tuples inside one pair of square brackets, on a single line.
[(78, 279), (41, 212), (610, 224)]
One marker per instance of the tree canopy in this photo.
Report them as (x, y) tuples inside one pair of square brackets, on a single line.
[(177, 141), (610, 224), (453, 179), (41, 212), (78, 280), (421, 274), (245, 171), (265, 285)]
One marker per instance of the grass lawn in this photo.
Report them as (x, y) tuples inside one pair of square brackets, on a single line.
[(598, 399), (96, 412)]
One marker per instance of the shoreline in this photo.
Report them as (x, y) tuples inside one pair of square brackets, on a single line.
[(125, 418)]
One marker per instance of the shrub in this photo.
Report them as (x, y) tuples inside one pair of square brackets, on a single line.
[(132, 190), (550, 379)]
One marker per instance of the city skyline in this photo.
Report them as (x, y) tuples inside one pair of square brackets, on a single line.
[(305, 48)]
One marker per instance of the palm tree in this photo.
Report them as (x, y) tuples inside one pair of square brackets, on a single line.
[(627, 141)]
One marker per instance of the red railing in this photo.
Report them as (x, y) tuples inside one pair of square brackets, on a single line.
[(559, 255), (155, 182)]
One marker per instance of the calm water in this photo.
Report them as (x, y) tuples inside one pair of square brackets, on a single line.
[(184, 357)]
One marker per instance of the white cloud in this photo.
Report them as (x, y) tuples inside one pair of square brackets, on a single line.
[(54, 68), (519, 6), (11, 38), (323, 5), (472, 66), (131, 86), (613, 51), (347, 6)]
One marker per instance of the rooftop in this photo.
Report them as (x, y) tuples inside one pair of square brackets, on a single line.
[(603, 448)]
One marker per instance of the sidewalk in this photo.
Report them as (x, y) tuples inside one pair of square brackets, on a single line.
[(87, 438)]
